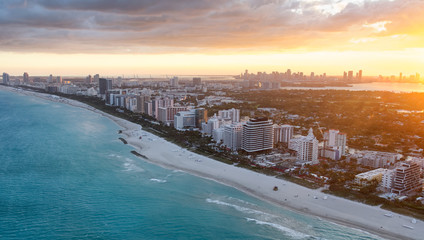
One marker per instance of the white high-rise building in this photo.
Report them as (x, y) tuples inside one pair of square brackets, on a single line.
[(306, 147), (233, 114), (173, 82), (336, 140), (50, 79), (185, 119), (218, 135), (233, 136), (213, 123), (257, 135), (282, 133)]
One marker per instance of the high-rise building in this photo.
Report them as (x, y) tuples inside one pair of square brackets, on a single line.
[(197, 81), (344, 76), (335, 139), (218, 135), (6, 78), (58, 79), (167, 114), (50, 79), (88, 79), (350, 75), (173, 82), (257, 135), (96, 78), (26, 77), (104, 85), (407, 179), (233, 114), (140, 103), (148, 108), (161, 102), (201, 116), (185, 119), (213, 123), (233, 136), (360, 75), (282, 133), (306, 147)]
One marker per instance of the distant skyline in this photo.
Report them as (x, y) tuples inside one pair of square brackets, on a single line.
[(160, 37)]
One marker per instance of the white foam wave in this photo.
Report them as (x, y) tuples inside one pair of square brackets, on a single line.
[(114, 155), (158, 180), (292, 233), (240, 208), (242, 201), (131, 167)]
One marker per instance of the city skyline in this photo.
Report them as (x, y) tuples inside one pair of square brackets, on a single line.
[(211, 37)]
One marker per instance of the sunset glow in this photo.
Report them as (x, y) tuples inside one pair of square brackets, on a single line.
[(211, 37)]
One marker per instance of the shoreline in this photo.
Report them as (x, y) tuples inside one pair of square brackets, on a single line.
[(290, 196)]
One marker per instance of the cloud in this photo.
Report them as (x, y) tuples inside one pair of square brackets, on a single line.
[(207, 26)]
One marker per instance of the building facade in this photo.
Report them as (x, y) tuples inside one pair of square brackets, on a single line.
[(104, 85), (233, 136), (233, 114), (282, 133), (306, 148), (407, 179), (257, 135)]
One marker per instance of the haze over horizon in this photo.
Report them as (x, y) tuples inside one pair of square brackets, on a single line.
[(65, 37)]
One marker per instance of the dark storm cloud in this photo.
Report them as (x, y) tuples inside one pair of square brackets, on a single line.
[(119, 26)]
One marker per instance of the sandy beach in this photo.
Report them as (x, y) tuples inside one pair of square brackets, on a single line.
[(312, 202)]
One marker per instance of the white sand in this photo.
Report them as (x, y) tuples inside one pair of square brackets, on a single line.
[(296, 197)]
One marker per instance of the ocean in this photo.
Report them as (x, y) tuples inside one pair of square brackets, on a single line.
[(64, 174)]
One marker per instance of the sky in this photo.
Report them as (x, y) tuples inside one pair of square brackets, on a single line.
[(199, 37)]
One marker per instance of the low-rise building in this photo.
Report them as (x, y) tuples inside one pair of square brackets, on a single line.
[(366, 177)]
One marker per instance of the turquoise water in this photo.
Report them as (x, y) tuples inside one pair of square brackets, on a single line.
[(65, 175)]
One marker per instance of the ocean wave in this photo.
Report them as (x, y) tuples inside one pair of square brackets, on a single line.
[(290, 232), (242, 201), (158, 180), (130, 166), (240, 208)]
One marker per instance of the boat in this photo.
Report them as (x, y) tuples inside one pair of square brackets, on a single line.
[(414, 221), (388, 214)]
